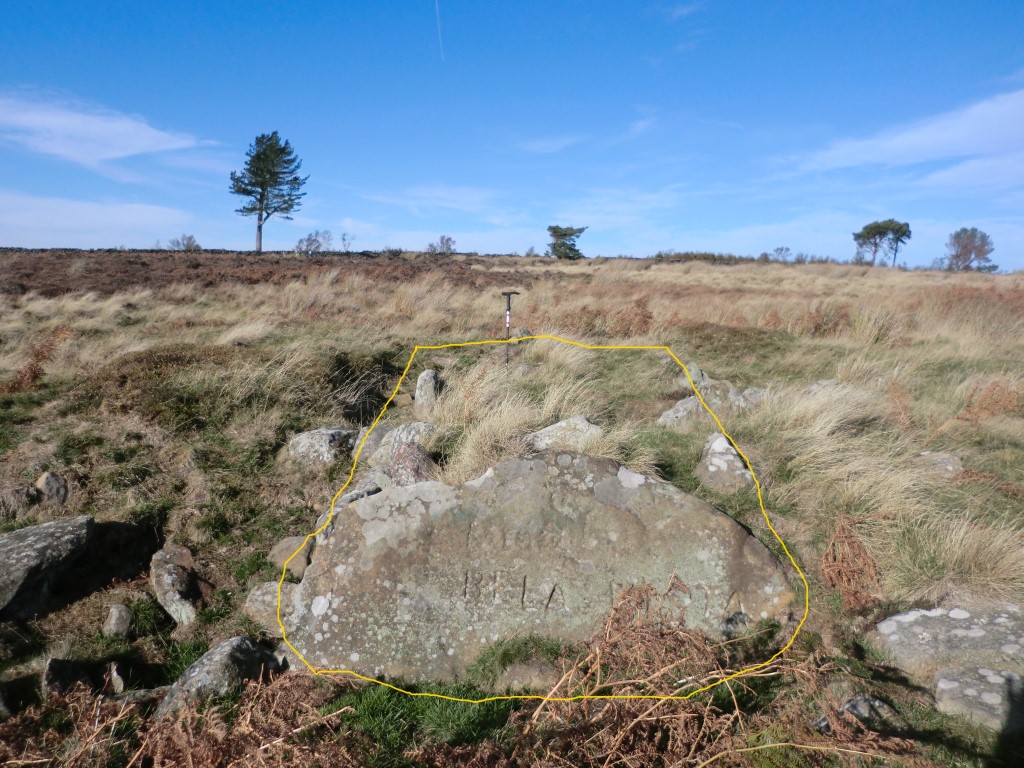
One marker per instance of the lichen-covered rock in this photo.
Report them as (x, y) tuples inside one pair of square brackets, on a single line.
[(721, 468), (971, 656), (119, 621), (49, 489), (221, 670), (696, 374), (427, 386), (322, 445), (173, 582), (33, 557), (261, 605), (722, 398), (411, 463), (573, 434), (285, 548), (416, 581), (415, 432)]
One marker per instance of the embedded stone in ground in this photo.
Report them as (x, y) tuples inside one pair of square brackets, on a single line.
[(571, 434), (971, 656), (721, 468), (416, 581), (322, 445), (285, 548)]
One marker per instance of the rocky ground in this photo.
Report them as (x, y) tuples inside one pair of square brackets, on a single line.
[(559, 528)]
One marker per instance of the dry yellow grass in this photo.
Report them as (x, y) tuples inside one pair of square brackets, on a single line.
[(925, 360)]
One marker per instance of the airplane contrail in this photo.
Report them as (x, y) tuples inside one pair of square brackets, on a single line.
[(437, 12)]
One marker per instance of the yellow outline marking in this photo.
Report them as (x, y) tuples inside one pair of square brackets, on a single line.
[(351, 474)]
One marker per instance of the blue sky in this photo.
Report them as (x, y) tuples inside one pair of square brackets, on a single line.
[(710, 125)]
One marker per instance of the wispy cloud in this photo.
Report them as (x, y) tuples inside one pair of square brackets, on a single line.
[(986, 128), (682, 10), (37, 222), (550, 144), (85, 135), (427, 197)]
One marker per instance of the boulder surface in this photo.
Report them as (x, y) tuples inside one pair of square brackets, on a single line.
[(571, 434), (972, 658), (322, 445), (417, 581), (33, 557), (223, 669)]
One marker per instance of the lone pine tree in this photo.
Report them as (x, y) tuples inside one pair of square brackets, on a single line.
[(270, 180)]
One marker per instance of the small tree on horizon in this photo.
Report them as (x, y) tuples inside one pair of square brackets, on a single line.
[(881, 236), (969, 249), (445, 246), (271, 180), (563, 242), (186, 243), (314, 243)]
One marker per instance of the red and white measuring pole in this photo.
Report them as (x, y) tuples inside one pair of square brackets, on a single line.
[(508, 319)]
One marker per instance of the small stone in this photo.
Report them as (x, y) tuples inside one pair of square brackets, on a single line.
[(53, 489), (285, 548), (721, 468), (119, 619), (959, 614), (173, 582)]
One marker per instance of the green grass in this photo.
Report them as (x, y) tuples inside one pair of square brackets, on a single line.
[(499, 656), (18, 409), (393, 722)]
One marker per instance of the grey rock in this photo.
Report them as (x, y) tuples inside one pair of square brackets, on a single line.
[(699, 378), (119, 620), (365, 488), (721, 397), (53, 489), (221, 670), (363, 451), (721, 468), (322, 445), (114, 679), (261, 605), (411, 464), (285, 548), (33, 558), (985, 696), (941, 464), (416, 580), (173, 582), (971, 656), (427, 386), (867, 710), (573, 434), (415, 432)]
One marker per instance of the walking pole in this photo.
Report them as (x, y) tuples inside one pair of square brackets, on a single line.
[(508, 319)]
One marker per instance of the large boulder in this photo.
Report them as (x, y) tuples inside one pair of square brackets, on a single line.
[(971, 656), (218, 672), (721, 468), (322, 445), (173, 582), (416, 581), (427, 387), (33, 558), (573, 434)]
